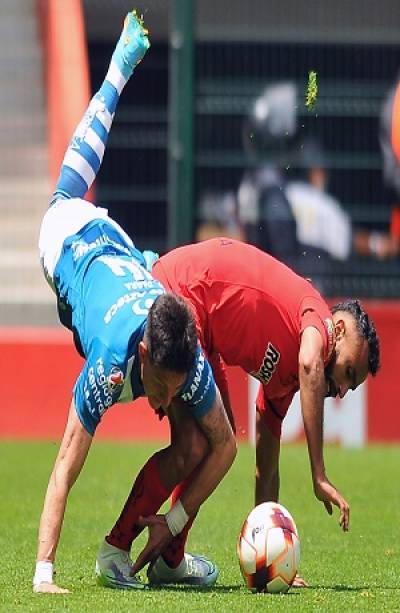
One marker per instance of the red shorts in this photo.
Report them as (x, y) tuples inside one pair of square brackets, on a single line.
[(273, 413)]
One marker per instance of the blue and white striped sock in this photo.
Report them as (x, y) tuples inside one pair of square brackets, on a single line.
[(86, 150), (85, 153)]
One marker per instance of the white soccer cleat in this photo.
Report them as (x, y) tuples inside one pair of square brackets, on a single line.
[(193, 570), (113, 569)]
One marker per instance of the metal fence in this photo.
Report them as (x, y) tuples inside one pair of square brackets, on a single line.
[(237, 52)]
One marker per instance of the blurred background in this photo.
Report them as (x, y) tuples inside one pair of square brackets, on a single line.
[(213, 136)]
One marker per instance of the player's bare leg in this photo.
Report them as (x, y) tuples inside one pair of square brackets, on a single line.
[(267, 471)]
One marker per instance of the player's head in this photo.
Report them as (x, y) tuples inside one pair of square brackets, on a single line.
[(168, 349), (356, 349)]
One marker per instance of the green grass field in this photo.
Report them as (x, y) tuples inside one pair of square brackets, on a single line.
[(358, 571)]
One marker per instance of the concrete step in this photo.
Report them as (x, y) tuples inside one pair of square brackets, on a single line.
[(24, 198), (22, 161), (20, 233), (22, 96), (25, 297), (22, 278), (28, 314), (23, 132)]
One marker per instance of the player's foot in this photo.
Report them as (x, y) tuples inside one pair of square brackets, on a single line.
[(132, 45), (193, 570), (113, 569)]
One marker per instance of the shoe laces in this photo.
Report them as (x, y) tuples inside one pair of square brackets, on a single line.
[(195, 568), (126, 562)]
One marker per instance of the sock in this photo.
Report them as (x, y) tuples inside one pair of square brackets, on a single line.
[(147, 495), (174, 552), (85, 153)]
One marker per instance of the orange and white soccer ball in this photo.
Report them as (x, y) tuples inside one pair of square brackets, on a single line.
[(269, 548)]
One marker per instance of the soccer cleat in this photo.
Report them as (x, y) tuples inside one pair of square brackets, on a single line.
[(193, 570), (113, 569), (132, 45)]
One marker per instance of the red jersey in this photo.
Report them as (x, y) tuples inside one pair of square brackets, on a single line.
[(250, 311)]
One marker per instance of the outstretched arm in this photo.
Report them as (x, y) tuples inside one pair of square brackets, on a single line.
[(70, 459), (86, 150), (312, 395)]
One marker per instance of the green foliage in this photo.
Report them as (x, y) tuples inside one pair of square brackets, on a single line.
[(357, 571), (312, 90)]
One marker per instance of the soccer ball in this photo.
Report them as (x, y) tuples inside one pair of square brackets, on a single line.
[(269, 548)]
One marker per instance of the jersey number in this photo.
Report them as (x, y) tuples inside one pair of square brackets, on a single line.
[(121, 268)]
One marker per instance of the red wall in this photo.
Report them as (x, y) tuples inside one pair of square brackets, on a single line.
[(383, 422), (39, 367)]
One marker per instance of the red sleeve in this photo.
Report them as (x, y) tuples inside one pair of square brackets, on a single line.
[(315, 313), (219, 372)]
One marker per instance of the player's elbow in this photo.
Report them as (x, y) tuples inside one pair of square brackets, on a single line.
[(310, 364)]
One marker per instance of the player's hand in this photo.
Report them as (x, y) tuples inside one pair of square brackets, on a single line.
[(159, 537), (49, 588), (299, 582), (329, 495)]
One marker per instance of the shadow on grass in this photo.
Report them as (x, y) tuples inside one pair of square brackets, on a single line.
[(219, 589), (349, 588), (216, 589)]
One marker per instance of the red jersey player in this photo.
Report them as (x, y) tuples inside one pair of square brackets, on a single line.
[(254, 312)]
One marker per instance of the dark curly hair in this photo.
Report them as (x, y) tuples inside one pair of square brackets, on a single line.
[(366, 329), (171, 334)]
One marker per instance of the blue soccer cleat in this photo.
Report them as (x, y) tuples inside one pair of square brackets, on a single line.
[(132, 45), (194, 570)]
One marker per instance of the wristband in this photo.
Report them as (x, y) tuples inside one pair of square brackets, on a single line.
[(176, 518), (43, 573)]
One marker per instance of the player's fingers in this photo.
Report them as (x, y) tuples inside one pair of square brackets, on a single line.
[(345, 516), (49, 588), (143, 522), (143, 558), (328, 507)]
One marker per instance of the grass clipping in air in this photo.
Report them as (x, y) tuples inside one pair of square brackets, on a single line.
[(312, 90)]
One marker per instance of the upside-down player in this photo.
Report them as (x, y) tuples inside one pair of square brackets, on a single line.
[(254, 312), (137, 340)]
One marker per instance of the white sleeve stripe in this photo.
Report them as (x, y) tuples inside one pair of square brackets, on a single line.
[(74, 160), (95, 142), (115, 77)]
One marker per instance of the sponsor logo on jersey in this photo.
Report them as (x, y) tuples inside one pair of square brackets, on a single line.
[(137, 307), (330, 330), (97, 387), (115, 379), (81, 247), (194, 386), (268, 367)]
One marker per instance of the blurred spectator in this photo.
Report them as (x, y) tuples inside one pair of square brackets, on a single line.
[(390, 146), (268, 134), (387, 245), (218, 216), (323, 228)]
